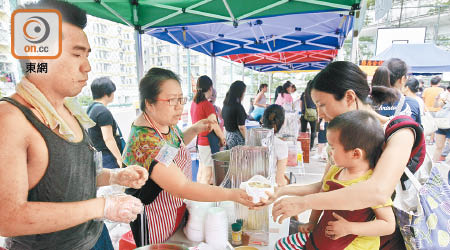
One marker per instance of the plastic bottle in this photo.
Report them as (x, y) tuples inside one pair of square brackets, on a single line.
[(236, 234), (299, 153)]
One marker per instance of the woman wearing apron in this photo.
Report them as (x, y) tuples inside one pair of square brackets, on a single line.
[(157, 144)]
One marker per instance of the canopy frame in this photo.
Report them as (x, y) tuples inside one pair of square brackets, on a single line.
[(233, 18)]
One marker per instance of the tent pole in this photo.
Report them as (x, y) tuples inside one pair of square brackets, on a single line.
[(436, 27), (188, 78), (178, 61), (139, 61), (259, 79), (270, 87), (251, 78), (358, 22), (401, 12), (354, 51), (231, 72), (213, 70)]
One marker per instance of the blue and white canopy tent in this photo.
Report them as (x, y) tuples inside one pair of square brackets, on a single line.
[(294, 32)]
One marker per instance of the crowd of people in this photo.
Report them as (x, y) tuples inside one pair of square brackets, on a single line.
[(54, 154)]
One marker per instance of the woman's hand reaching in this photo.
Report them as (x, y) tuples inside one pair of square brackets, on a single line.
[(240, 196), (272, 197), (203, 125)]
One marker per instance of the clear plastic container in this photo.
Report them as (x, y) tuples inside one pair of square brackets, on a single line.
[(292, 155)]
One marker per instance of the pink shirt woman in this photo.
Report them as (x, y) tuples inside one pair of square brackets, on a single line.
[(284, 99)]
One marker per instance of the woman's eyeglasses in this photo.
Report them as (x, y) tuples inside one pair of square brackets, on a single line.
[(175, 101)]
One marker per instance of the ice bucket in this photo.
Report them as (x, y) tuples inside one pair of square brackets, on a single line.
[(220, 169)]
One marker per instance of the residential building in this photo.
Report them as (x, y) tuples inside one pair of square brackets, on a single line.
[(9, 67)]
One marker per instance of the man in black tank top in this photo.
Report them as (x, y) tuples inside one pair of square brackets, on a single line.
[(48, 175)]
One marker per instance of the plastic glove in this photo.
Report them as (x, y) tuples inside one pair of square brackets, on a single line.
[(133, 176), (122, 208)]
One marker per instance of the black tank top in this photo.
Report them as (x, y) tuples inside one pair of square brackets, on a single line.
[(70, 176)]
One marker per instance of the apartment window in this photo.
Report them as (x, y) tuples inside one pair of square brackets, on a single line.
[(105, 54), (195, 70), (195, 59), (103, 41), (163, 49), (6, 67), (4, 37), (162, 60), (103, 28), (106, 67)]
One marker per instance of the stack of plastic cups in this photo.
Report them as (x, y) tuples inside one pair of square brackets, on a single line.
[(216, 228), (230, 210)]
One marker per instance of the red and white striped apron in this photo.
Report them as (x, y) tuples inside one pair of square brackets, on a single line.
[(165, 212)]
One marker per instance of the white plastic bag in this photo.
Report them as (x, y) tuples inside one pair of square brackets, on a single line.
[(428, 124), (442, 117), (256, 187)]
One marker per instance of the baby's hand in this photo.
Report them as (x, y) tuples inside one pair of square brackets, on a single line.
[(338, 228), (306, 228)]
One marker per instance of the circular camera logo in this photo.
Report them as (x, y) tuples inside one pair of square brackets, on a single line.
[(36, 34), (36, 29)]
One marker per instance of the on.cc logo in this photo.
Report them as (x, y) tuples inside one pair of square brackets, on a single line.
[(36, 29), (36, 34)]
